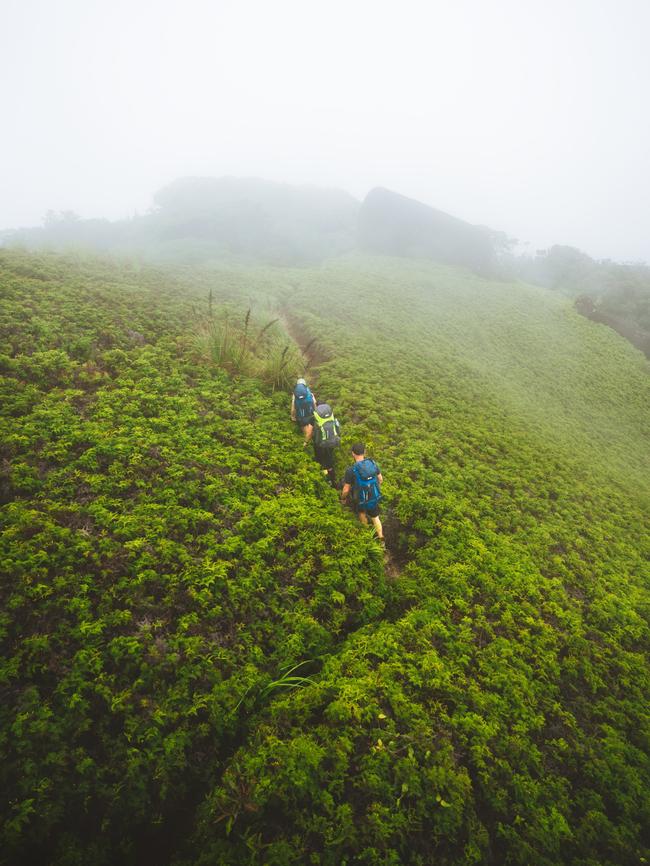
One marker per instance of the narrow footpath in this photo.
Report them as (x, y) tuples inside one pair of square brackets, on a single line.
[(313, 356)]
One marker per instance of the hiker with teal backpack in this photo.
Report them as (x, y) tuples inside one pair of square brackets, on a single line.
[(303, 403), (365, 478), (326, 439)]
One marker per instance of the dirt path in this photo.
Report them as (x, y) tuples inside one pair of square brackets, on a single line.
[(391, 566), (315, 355), (312, 352)]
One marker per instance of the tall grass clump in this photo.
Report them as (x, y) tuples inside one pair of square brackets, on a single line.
[(220, 341), (233, 345), (280, 365)]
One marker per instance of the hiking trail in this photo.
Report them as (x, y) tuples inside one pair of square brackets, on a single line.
[(314, 355)]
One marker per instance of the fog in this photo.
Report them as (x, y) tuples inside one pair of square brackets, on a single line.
[(527, 117)]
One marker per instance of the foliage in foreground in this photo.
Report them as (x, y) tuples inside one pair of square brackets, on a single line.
[(499, 714), (172, 555), (155, 578)]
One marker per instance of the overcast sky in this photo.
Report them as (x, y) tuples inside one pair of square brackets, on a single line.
[(523, 115)]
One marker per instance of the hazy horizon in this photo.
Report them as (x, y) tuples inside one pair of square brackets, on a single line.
[(527, 122)]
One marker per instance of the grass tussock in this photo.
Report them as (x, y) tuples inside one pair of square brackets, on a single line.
[(241, 348)]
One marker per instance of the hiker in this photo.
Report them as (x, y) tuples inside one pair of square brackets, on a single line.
[(364, 477), (326, 439), (303, 403)]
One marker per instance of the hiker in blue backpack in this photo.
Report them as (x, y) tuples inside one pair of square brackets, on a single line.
[(327, 438), (364, 477), (303, 404)]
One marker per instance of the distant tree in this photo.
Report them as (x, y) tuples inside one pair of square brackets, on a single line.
[(63, 217)]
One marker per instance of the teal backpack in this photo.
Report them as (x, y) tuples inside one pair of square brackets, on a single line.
[(304, 402), (367, 485)]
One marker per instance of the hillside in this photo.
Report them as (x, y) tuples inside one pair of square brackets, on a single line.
[(205, 660), (612, 293), (391, 224), (198, 220), (205, 219), (253, 219)]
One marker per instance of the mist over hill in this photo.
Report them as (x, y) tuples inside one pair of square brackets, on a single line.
[(616, 294), (257, 219), (202, 219), (199, 220), (394, 225)]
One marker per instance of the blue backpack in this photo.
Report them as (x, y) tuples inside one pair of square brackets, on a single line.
[(367, 485), (304, 402)]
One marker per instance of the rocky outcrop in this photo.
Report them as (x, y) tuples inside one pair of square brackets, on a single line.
[(394, 225)]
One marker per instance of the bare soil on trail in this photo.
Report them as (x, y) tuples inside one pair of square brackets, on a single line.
[(313, 353), (391, 566)]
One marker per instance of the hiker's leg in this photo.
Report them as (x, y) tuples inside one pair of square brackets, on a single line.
[(325, 457), (363, 517), (376, 522), (329, 464), (308, 430)]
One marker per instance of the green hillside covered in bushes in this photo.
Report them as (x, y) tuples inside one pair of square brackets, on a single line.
[(206, 660)]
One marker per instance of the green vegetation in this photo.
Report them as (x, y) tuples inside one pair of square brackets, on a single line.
[(615, 294), (204, 660), (204, 219), (244, 349)]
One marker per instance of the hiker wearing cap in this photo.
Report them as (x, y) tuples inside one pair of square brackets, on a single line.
[(364, 477), (303, 403), (326, 439)]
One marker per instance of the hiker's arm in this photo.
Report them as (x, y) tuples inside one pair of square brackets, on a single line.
[(344, 492), (380, 478), (293, 407)]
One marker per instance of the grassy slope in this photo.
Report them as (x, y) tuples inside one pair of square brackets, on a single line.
[(154, 576), (489, 707), (581, 386), (514, 685)]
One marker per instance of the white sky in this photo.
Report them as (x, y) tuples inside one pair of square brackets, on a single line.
[(526, 116)]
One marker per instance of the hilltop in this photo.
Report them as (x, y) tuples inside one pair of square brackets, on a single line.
[(205, 659), (390, 224), (203, 219), (250, 220)]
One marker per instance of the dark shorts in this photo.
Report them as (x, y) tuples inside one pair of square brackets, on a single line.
[(373, 511), (324, 457), (305, 422)]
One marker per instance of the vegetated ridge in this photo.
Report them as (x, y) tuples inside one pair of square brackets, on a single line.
[(252, 221), (249, 220), (390, 224), (613, 293), (203, 659)]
